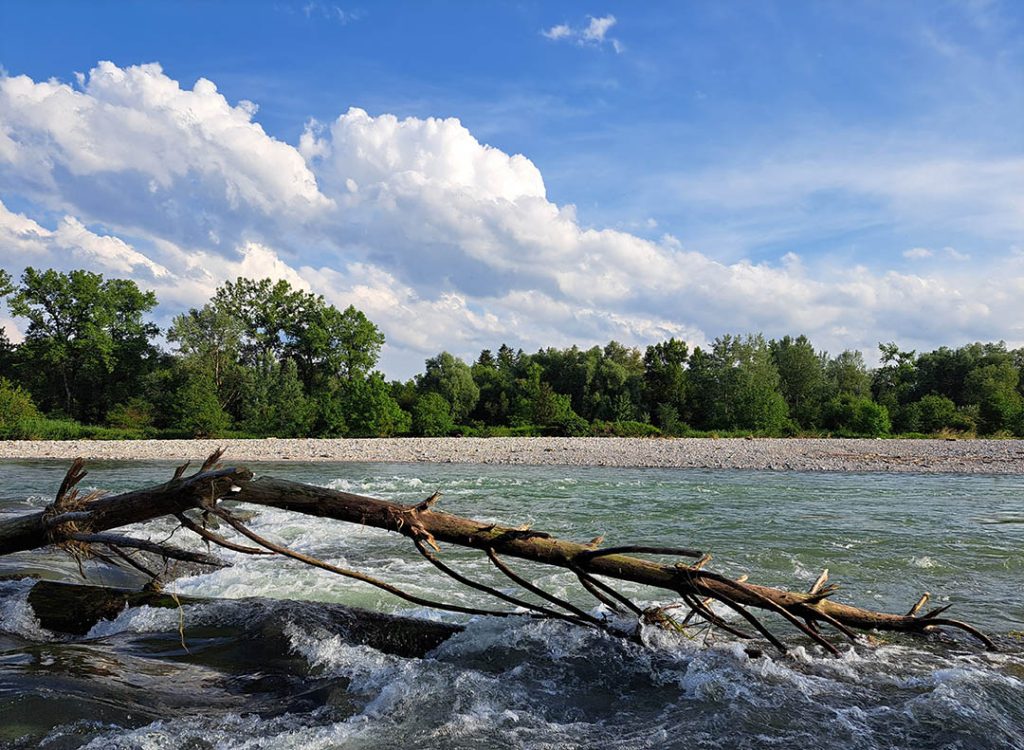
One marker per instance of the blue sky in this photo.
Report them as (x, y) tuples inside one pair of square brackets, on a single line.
[(849, 170)]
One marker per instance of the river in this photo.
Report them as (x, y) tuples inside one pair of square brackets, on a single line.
[(518, 683)]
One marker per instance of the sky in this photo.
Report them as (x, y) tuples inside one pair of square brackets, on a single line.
[(533, 173)]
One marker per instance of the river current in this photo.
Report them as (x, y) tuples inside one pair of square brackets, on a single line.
[(285, 679)]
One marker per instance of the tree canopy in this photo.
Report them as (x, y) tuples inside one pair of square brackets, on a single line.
[(263, 358)]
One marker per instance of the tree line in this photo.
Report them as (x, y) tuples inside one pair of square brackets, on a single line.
[(261, 358)]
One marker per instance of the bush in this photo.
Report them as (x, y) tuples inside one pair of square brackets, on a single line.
[(624, 429), (934, 413), (432, 416), (16, 408), (668, 418), (197, 410), (857, 415), (134, 414), (370, 410), (525, 430)]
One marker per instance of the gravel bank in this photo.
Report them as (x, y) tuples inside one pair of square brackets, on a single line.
[(930, 456)]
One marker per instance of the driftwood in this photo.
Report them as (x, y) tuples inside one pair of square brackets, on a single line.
[(77, 525)]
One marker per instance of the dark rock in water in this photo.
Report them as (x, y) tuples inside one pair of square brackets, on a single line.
[(75, 609)]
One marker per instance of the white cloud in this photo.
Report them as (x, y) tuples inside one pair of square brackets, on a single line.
[(39, 245), (561, 31), (917, 253), (10, 328), (597, 28), (594, 34), (132, 131), (953, 254), (444, 241)]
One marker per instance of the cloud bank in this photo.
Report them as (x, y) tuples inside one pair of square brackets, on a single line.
[(445, 242)]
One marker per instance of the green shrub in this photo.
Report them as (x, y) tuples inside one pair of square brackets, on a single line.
[(431, 416), (16, 408), (935, 413), (857, 416), (623, 429), (196, 408), (134, 414), (41, 428)]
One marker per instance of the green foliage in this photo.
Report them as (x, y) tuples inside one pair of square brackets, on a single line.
[(432, 416), (209, 339), (993, 388), (537, 403), (194, 406), (16, 409), (265, 359), (893, 385), (87, 346), (624, 429), (452, 379), (369, 409), (665, 381), (801, 379), (134, 414), (274, 319), (273, 403), (857, 416), (736, 386), (486, 431), (6, 347), (283, 362), (936, 413), (847, 373), (669, 421)]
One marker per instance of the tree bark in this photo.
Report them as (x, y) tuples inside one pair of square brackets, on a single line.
[(37, 529)]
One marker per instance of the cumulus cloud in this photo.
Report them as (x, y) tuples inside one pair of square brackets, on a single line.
[(444, 241), (594, 34), (917, 253), (132, 139), (71, 240)]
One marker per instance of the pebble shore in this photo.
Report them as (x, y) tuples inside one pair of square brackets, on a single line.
[(790, 454)]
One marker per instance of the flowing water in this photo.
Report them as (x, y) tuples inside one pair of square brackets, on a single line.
[(279, 677)]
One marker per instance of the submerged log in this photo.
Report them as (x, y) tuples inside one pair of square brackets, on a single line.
[(75, 524), (75, 609)]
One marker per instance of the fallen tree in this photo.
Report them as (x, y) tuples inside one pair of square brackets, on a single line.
[(79, 524)]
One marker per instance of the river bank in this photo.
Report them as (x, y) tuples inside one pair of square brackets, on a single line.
[(789, 454)]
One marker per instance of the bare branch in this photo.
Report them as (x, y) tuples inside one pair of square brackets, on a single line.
[(220, 541), (309, 560), (164, 550), (433, 559), (538, 591)]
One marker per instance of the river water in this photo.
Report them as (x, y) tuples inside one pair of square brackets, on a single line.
[(280, 677)]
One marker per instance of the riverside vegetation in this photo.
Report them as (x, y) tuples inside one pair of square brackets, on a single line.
[(262, 359)]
